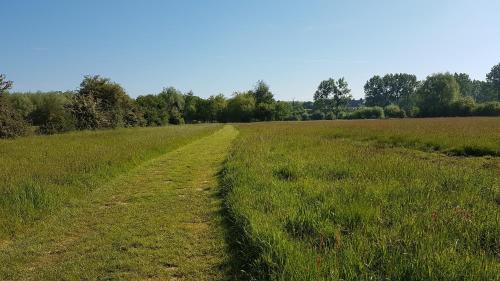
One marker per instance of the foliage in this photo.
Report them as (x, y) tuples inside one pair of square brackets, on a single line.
[(464, 106), (264, 102), (317, 115), (173, 102), (332, 95), (12, 123), (393, 111), (493, 78), (216, 108), (100, 103), (375, 112), (488, 109), (241, 107), (437, 94), (23, 104), (283, 111), (154, 113), (396, 89)]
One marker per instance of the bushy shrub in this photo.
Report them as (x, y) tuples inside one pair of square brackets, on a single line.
[(412, 111), (305, 117), (330, 116), (293, 118), (101, 103), (393, 111), (488, 109), (464, 106), (343, 115), (375, 112), (12, 123), (22, 104), (317, 115), (51, 113)]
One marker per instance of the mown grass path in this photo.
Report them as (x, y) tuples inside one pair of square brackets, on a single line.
[(161, 221)]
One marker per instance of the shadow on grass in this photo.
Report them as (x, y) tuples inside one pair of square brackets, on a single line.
[(245, 254)]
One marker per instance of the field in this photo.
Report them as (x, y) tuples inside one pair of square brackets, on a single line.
[(39, 174), (412, 199), (327, 201)]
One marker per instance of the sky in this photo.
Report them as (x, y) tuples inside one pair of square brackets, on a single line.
[(223, 46)]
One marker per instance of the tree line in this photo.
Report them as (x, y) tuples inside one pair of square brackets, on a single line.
[(101, 103), (402, 95)]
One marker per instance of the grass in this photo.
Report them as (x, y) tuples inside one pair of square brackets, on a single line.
[(41, 174), (341, 200), (465, 136), (411, 199), (160, 221)]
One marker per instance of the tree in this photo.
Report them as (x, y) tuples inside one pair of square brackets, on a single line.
[(192, 107), (493, 78), (106, 101), (283, 111), (22, 104), (332, 95), (241, 107), (264, 101), (437, 94), (5, 84), (154, 114), (86, 112), (399, 89), (262, 93), (12, 123), (172, 101), (375, 92), (216, 108), (51, 113)]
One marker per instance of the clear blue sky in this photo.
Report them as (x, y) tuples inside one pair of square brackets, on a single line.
[(216, 46)]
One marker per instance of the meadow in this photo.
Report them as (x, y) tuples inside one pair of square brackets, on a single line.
[(366, 200), (397, 199), (39, 174)]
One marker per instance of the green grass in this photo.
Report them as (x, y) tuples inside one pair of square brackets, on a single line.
[(160, 221), (40, 174), (470, 136), (327, 201)]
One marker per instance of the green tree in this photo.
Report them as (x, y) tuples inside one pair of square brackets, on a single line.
[(193, 107), (112, 106), (332, 95), (493, 78), (376, 92), (23, 104), (51, 113), (173, 102), (399, 89), (437, 94), (283, 111), (154, 113), (12, 123), (241, 107), (216, 108), (264, 101)]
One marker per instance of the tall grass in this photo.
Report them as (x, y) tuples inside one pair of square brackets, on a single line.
[(309, 206), (465, 136), (38, 174)]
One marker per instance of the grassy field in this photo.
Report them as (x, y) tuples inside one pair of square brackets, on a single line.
[(412, 199), (366, 200), (40, 174), (160, 221)]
